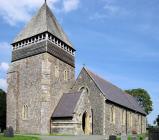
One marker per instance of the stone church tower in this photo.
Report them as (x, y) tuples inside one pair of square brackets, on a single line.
[(42, 69)]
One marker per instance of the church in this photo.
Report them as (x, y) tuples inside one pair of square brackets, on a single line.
[(44, 97)]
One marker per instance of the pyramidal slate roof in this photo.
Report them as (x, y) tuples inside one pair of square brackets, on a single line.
[(43, 21), (115, 94), (66, 105)]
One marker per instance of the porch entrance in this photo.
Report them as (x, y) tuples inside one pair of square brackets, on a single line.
[(86, 123)]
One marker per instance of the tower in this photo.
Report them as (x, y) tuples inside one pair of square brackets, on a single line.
[(42, 69)]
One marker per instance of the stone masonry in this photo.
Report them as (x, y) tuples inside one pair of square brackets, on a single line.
[(32, 82)]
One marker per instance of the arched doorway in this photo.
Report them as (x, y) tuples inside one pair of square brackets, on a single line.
[(86, 123)]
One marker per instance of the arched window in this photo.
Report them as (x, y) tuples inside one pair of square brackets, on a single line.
[(123, 121), (56, 71), (112, 114), (25, 112), (131, 120), (84, 90), (65, 75)]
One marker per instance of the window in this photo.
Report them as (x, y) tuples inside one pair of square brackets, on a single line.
[(112, 114), (56, 71), (138, 118), (84, 90), (25, 112), (65, 75), (131, 119), (123, 120)]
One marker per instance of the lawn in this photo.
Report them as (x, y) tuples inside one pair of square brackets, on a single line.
[(139, 137), (17, 137)]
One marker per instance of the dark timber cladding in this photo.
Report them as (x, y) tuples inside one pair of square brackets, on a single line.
[(43, 47)]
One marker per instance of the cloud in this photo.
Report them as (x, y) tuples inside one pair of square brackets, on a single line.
[(110, 8), (4, 46), (13, 11), (4, 66), (5, 53), (3, 84), (69, 5)]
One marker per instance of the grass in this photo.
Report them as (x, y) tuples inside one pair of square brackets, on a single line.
[(18, 137), (118, 138), (139, 137)]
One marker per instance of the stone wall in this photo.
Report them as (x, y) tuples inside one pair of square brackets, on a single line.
[(130, 123), (32, 82), (101, 111), (96, 99), (73, 126)]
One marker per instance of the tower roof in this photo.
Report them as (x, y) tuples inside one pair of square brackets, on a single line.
[(43, 21)]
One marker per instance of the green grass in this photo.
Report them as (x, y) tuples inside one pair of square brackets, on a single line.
[(118, 138), (18, 137), (139, 137)]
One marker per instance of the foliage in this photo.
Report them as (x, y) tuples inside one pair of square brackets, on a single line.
[(139, 137), (143, 98), (157, 121), (19, 138), (2, 109)]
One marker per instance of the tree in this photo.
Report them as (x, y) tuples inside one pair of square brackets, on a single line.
[(2, 109), (157, 121), (143, 98)]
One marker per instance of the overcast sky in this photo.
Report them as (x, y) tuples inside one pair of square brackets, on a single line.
[(117, 39)]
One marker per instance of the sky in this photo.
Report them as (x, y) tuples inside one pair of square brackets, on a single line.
[(118, 40)]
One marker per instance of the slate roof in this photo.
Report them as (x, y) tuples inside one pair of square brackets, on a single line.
[(66, 105), (43, 21), (115, 94), (135, 104)]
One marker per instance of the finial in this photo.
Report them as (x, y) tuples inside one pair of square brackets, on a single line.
[(45, 1), (84, 65)]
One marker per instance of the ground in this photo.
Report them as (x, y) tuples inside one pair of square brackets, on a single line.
[(19, 138), (38, 137), (73, 138)]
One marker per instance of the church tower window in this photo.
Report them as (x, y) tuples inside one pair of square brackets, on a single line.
[(56, 71), (25, 112), (65, 75)]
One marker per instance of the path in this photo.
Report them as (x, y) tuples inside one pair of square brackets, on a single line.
[(72, 137)]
